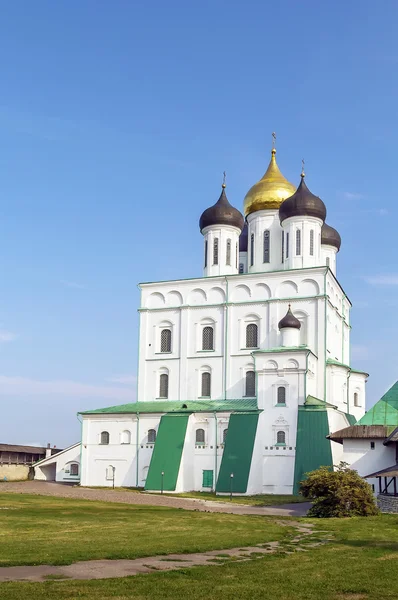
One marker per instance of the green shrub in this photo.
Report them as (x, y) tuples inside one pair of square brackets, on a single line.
[(339, 493)]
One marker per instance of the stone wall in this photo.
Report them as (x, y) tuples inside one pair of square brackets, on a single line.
[(387, 504), (14, 472)]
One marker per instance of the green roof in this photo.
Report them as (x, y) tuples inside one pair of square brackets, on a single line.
[(331, 361), (169, 406), (385, 411), (316, 403)]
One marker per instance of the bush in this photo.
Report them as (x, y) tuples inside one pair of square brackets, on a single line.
[(339, 493)]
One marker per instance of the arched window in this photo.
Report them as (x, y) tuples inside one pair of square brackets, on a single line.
[(164, 385), (327, 261), (250, 384), (126, 437), (74, 469), (287, 244), (281, 395), (252, 249), (298, 242), (206, 385), (151, 436), (208, 338), (215, 251), (224, 435), (266, 246), (312, 242), (241, 267), (206, 247), (228, 255), (283, 246), (252, 335), (281, 437), (104, 437), (165, 340), (200, 436), (356, 399)]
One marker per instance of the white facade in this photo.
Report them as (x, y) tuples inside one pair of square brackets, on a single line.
[(63, 467)]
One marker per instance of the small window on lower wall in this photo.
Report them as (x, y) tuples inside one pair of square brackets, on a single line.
[(372, 445), (281, 438), (200, 436), (74, 469), (207, 480)]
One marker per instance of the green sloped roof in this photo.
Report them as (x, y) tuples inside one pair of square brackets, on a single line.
[(331, 361), (385, 411), (169, 406), (316, 403)]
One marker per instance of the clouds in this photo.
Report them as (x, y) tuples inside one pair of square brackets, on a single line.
[(73, 284), (7, 336), (359, 352), (123, 379), (386, 279), (353, 196)]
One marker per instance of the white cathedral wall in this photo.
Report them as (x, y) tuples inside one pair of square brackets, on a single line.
[(303, 259), (223, 234), (360, 456), (259, 222)]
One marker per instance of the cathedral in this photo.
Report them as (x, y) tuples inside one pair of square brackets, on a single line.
[(244, 371)]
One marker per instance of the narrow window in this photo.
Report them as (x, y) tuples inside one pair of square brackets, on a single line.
[(224, 436), (207, 338), (281, 437), (327, 261), (252, 249), (206, 248), (250, 384), (206, 385), (241, 267), (151, 436), (215, 251), (283, 246), (372, 445), (126, 437), (104, 438), (281, 395), (200, 436), (266, 245), (228, 260), (164, 385), (298, 242), (356, 399), (252, 336), (287, 244), (165, 340), (312, 242), (236, 255), (74, 469)]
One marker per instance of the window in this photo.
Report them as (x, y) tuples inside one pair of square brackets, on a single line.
[(151, 436), (207, 480), (250, 384), (252, 336), (312, 242), (281, 395), (208, 338), (283, 246), (224, 436), (241, 267), (236, 255), (298, 242), (206, 385), (126, 437), (200, 436), (215, 251), (327, 261), (252, 249), (228, 259), (206, 247), (281, 437), (104, 438), (266, 246), (164, 385), (165, 340), (74, 469), (287, 245), (356, 399), (372, 445), (110, 472)]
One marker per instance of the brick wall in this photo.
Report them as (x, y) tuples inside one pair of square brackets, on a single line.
[(387, 504)]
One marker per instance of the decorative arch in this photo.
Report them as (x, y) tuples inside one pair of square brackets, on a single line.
[(287, 289), (174, 298), (241, 293), (309, 287), (291, 364), (155, 300), (271, 365), (216, 296), (262, 291), (302, 316), (197, 296)]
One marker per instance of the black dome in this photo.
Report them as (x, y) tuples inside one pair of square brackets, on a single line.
[(221, 213), (330, 236), (243, 239), (289, 320), (302, 203)]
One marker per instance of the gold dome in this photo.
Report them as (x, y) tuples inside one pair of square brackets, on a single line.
[(270, 191)]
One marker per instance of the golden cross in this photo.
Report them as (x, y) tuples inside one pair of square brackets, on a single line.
[(273, 139), (224, 178)]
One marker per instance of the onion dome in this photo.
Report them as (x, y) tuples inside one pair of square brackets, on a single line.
[(243, 239), (289, 320), (221, 213), (302, 203), (268, 193), (330, 236)]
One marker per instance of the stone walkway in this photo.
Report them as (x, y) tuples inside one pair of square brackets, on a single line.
[(44, 488), (105, 569)]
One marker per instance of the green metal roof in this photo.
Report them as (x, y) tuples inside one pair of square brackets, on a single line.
[(316, 403), (170, 406), (385, 411), (331, 361)]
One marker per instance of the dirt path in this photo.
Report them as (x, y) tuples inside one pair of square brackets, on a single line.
[(45, 488), (105, 569)]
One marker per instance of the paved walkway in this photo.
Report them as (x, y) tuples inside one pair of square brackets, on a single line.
[(44, 488), (104, 569)]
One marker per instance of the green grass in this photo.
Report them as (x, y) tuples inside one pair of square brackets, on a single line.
[(259, 500), (48, 530), (360, 564)]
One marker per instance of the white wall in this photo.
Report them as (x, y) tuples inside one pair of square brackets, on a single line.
[(359, 455), (57, 467)]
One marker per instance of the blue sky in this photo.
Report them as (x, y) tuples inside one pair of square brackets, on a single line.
[(116, 123)]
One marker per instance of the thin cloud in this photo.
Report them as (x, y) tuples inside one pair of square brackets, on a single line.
[(353, 195), (73, 284), (123, 379), (7, 336), (359, 352), (389, 279)]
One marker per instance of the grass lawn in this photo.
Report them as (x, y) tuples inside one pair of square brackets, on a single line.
[(41, 529), (360, 564), (260, 500)]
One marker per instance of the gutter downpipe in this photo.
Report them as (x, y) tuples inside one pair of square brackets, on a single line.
[(325, 333), (256, 376), (138, 446), (215, 453), (81, 444), (305, 376), (342, 329), (226, 338), (348, 391)]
